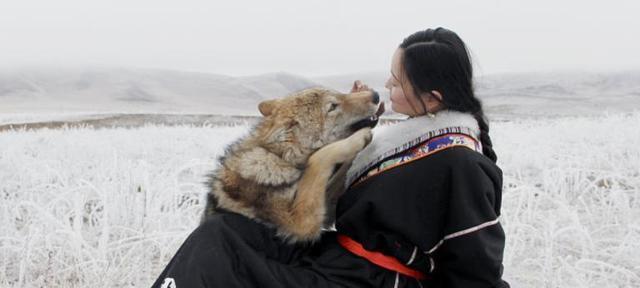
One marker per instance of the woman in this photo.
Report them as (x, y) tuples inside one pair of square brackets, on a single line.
[(422, 204)]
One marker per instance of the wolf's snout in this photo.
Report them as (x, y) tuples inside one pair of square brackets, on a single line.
[(375, 97)]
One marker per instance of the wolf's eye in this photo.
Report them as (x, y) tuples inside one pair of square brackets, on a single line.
[(332, 107)]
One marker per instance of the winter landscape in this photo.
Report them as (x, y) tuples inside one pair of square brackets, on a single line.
[(102, 169)]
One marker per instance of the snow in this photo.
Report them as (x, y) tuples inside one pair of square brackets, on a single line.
[(129, 90), (48, 94), (85, 207), (571, 204), (101, 208)]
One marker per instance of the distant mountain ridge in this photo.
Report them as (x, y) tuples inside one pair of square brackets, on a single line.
[(539, 94), (120, 90)]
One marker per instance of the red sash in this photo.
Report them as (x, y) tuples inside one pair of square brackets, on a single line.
[(384, 261)]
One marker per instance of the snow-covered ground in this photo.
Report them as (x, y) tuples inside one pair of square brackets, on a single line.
[(84, 207)]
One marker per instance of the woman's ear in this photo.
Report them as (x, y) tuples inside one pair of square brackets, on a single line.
[(437, 95), (266, 107)]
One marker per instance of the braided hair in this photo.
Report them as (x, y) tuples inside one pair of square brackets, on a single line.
[(437, 59)]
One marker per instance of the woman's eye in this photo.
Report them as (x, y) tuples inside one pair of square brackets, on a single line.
[(333, 107)]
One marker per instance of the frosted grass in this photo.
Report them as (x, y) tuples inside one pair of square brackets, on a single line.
[(109, 207), (100, 208), (571, 205)]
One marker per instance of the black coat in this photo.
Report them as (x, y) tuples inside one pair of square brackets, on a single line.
[(439, 213)]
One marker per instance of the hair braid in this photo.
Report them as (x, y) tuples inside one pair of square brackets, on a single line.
[(487, 145)]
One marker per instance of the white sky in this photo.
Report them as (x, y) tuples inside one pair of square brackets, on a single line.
[(312, 38)]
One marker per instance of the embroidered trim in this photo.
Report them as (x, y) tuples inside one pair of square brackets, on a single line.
[(397, 281), (463, 232), (433, 264), (429, 147), (413, 255), (353, 175)]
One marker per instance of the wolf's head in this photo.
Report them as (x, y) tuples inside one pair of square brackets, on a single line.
[(297, 125)]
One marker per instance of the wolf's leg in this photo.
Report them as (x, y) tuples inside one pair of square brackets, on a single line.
[(307, 212), (335, 189)]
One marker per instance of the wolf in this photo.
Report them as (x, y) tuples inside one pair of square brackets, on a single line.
[(278, 174)]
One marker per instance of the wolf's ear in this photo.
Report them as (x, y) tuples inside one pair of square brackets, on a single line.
[(266, 107)]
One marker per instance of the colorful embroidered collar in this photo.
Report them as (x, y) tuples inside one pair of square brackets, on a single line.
[(390, 140), (424, 149)]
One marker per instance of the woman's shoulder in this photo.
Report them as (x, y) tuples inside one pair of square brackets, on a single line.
[(453, 150), (463, 155), (462, 164), (422, 152), (460, 158)]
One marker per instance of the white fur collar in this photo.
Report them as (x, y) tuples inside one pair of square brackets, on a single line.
[(391, 139)]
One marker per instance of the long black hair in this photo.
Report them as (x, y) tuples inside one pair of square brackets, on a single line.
[(437, 59)]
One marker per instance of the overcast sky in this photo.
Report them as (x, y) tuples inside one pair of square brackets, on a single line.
[(312, 38)]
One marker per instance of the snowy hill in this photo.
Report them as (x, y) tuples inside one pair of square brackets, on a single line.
[(537, 94), (109, 90), (32, 95), (557, 94)]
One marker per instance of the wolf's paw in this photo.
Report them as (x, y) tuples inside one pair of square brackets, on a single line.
[(344, 150), (354, 144), (362, 137)]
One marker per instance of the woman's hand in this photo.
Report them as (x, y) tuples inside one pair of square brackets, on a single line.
[(358, 86)]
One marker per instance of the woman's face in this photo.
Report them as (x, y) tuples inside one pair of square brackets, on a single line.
[(403, 99), (397, 81)]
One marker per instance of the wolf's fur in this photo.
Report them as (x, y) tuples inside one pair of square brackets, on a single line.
[(279, 173)]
